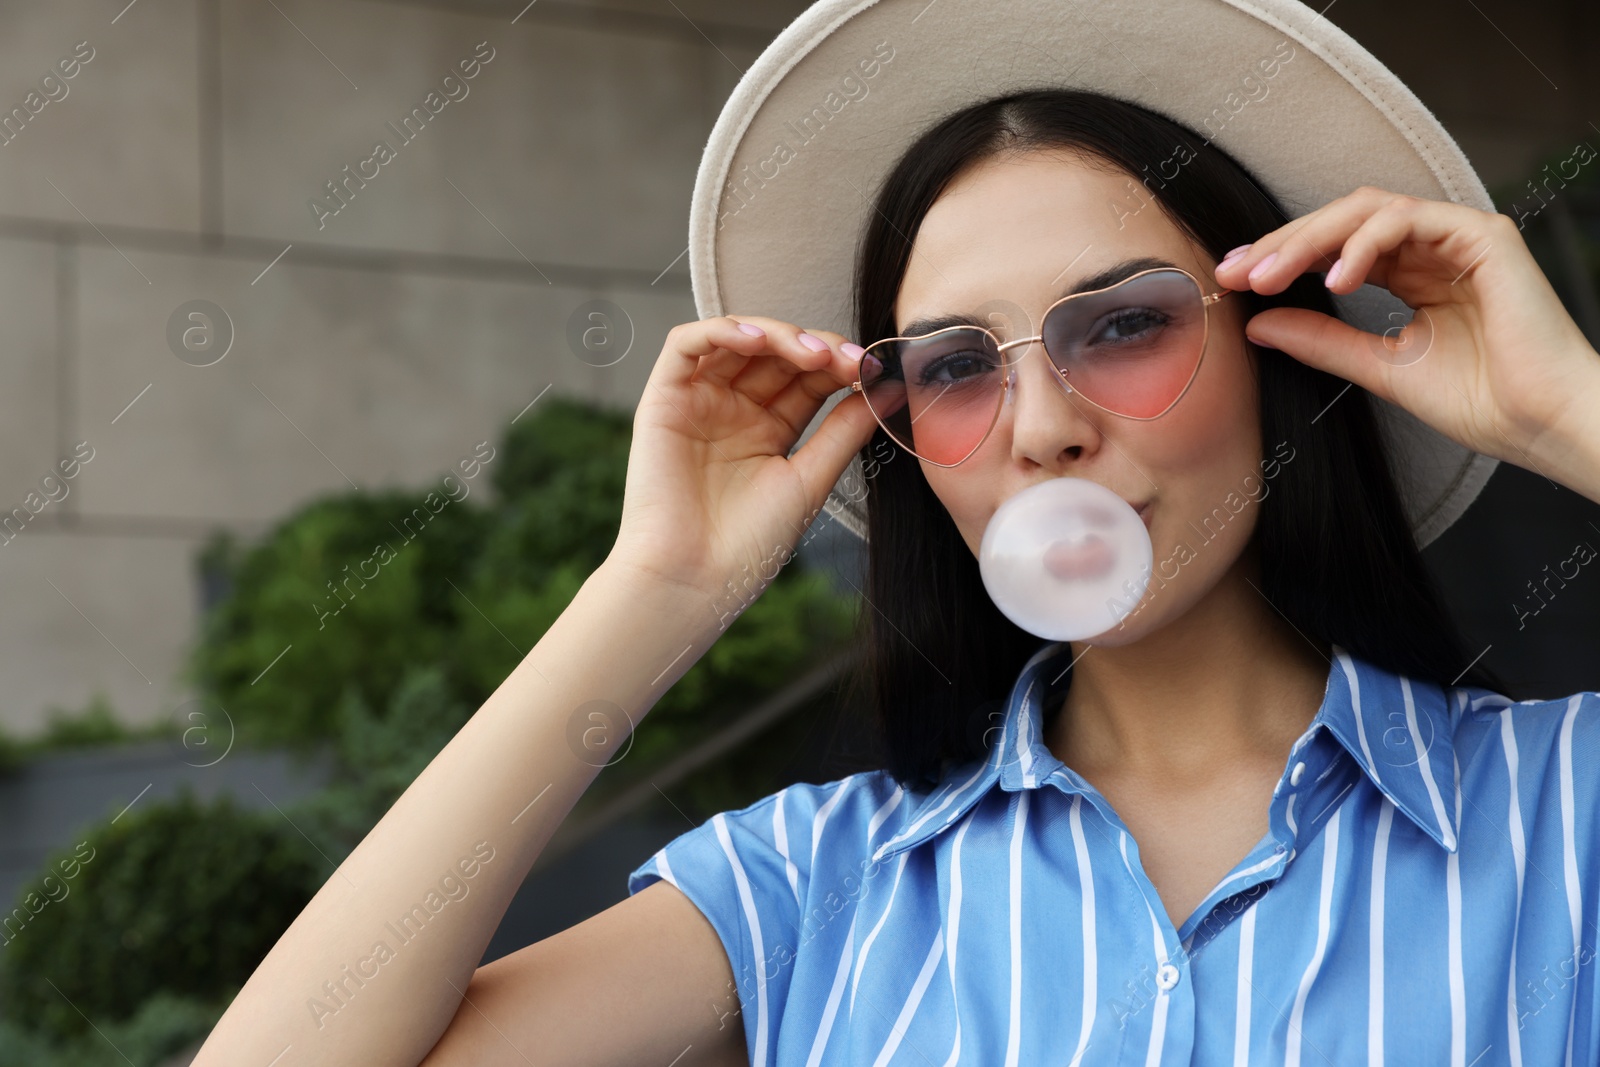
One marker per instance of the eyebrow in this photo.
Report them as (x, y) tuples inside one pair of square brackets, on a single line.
[(1117, 272)]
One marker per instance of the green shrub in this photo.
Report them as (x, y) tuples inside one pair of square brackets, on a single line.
[(13, 751), (175, 897), (560, 480), (163, 1026), (93, 727), (469, 597), (283, 597)]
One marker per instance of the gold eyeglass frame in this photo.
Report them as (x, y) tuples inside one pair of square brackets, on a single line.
[(1009, 382)]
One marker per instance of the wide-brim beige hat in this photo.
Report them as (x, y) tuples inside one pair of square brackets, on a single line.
[(792, 165)]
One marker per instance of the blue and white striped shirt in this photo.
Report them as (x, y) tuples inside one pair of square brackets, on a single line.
[(993, 920)]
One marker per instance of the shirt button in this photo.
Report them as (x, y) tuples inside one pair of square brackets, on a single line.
[(1166, 976), (1294, 775)]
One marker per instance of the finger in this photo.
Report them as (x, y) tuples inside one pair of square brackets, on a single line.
[(825, 455), (787, 340), (763, 381), (834, 339), (1383, 232), (1326, 343), (1311, 242), (1453, 237), (722, 367), (798, 402), (1385, 221), (801, 350), (688, 343)]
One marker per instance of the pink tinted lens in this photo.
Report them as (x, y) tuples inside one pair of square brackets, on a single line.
[(936, 395), (1133, 348)]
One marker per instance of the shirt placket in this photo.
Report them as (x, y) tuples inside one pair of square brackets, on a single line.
[(1167, 1033), (1162, 1030)]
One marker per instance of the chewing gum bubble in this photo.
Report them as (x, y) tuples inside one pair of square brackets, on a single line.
[(1066, 559)]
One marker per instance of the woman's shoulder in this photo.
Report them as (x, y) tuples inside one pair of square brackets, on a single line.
[(786, 831), (1553, 740), (845, 813), (1472, 704)]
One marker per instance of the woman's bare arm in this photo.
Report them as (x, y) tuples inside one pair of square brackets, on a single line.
[(644, 982), (466, 831)]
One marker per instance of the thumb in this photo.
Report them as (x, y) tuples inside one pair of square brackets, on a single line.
[(843, 432), (1331, 345)]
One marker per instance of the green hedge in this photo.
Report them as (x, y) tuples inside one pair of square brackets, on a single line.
[(467, 598), (93, 726), (175, 897), (163, 1026)]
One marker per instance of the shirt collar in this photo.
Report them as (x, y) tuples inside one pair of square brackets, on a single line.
[(1397, 729)]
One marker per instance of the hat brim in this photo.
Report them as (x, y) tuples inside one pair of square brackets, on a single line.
[(798, 152)]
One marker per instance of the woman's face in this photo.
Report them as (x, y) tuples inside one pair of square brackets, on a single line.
[(1020, 232)]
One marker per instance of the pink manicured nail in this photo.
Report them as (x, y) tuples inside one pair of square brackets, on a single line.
[(853, 350), (816, 344), (1262, 267), (1333, 273), (751, 329), (1237, 252)]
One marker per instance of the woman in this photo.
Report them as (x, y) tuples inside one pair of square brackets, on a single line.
[(1257, 838), (1207, 880)]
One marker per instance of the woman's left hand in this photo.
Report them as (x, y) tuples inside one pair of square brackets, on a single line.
[(1490, 357)]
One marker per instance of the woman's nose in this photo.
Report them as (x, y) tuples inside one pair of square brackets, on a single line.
[(1047, 419)]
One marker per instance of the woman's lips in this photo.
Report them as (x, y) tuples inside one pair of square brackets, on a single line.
[(1091, 557)]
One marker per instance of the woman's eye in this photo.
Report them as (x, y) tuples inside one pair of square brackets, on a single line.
[(955, 367), (1129, 324)]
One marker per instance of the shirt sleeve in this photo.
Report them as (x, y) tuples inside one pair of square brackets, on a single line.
[(747, 871)]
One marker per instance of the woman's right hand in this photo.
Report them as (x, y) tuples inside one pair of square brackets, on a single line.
[(711, 487)]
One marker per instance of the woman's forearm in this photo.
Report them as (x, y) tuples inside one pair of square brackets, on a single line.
[(373, 969)]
